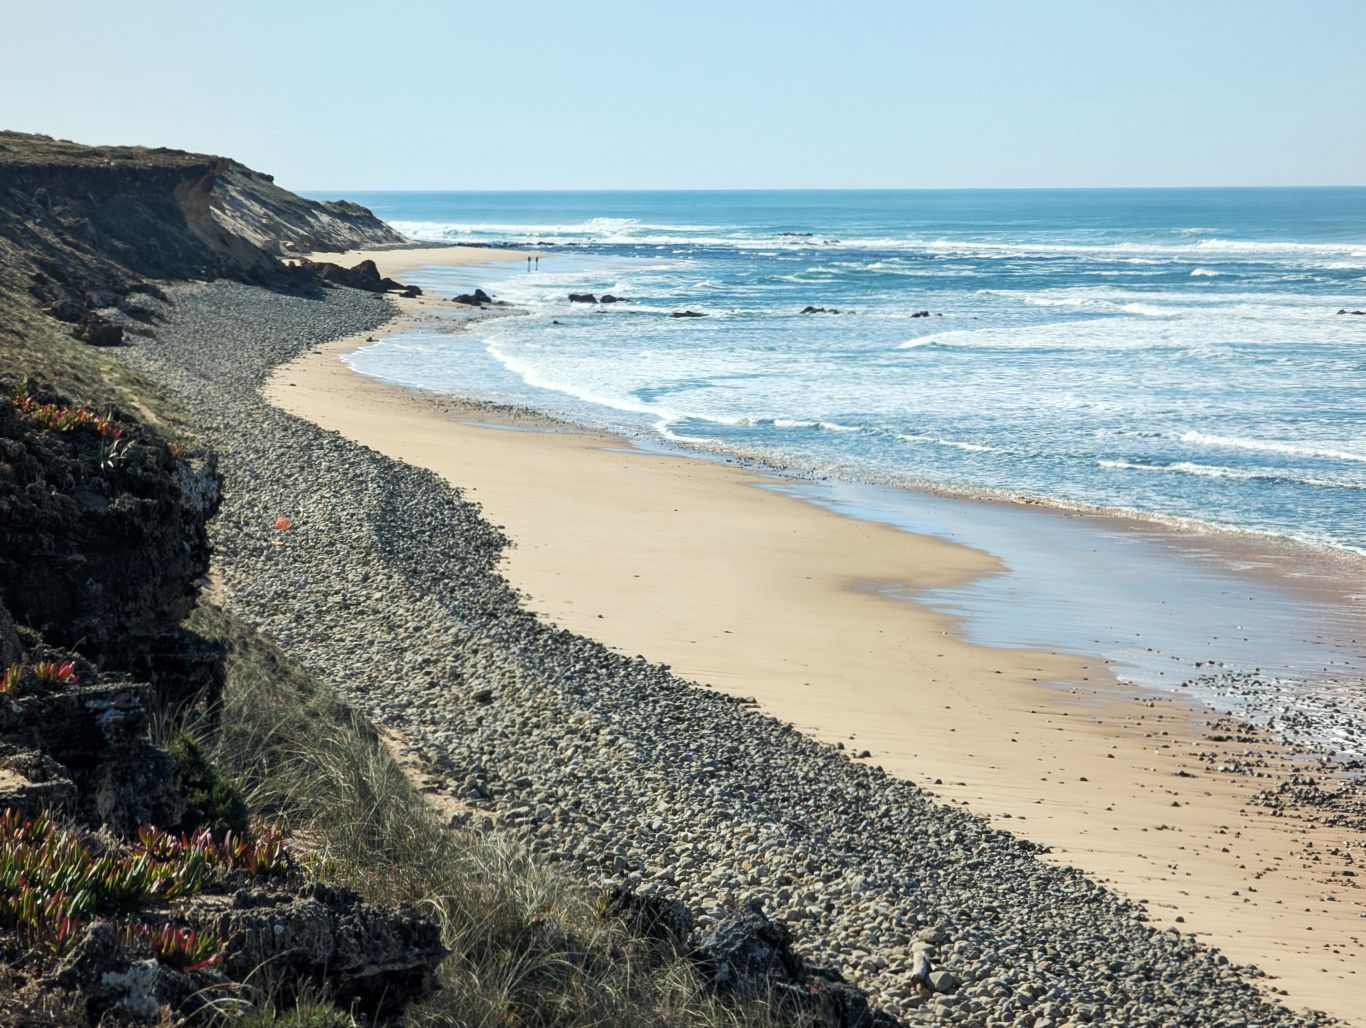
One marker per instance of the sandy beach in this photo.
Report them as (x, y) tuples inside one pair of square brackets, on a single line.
[(394, 262), (757, 594)]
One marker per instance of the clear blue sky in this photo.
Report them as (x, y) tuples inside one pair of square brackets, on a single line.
[(516, 94)]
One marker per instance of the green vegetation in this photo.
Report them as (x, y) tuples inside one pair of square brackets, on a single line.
[(211, 801), (52, 882), (529, 945), (62, 417), (299, 1017)]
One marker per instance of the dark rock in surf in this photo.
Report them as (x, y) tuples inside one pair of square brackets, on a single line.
[(820, 310), (582, 298), (687, 314), (475, 299), (609, 298)]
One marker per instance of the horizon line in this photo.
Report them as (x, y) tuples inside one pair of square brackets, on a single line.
[(812, 189)]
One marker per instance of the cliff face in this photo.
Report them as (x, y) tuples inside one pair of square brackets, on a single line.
[(83, 225), (251, 206)]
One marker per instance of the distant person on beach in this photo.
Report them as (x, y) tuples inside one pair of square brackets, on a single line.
[(528, 264), (538, 263)]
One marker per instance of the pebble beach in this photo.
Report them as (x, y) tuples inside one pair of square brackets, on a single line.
[(389, 586)]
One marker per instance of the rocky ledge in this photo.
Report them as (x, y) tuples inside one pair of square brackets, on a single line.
[(104, 914)]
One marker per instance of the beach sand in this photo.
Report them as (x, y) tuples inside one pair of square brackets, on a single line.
[(746, 590), (392, 263)]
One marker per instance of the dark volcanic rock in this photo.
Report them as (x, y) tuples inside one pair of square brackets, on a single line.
[(321, 943), (92, 733), (609, 298), (751, 955), (70, 311), (32, 782), (115, 988), (364, 275), (11, 649), (98, 330), (582, 298), (654, 917), (745, 950), (376, 958), (475, 299), (1344, 310), (820, 310), (100, 547), (687, 314)]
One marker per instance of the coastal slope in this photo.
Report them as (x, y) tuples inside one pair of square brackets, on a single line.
[(85, 229)]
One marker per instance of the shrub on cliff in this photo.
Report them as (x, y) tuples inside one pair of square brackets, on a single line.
[(211, 801)]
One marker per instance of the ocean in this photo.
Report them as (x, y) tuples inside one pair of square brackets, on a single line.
[(1175, 353)]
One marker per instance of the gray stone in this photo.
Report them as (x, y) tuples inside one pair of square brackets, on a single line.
[(943, 981)]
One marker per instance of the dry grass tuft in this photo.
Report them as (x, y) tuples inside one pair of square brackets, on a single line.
[(529, 945)]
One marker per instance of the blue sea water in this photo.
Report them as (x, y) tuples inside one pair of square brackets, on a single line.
[(1172, 352)]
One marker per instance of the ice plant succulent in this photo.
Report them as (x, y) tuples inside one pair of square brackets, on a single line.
[(51, 881), (61, 417), (9, 678), (51, 672), (180, 947), (261, 852)]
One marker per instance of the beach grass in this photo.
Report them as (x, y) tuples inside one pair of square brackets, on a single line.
[(529, 946)]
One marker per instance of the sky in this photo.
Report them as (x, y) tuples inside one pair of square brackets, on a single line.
[(659, 94)]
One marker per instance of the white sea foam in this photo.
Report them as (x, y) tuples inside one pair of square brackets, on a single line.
[(1294, 449), (956, 444), (1149, 310), (1272, 475), (1205, 273), (630, 231)]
